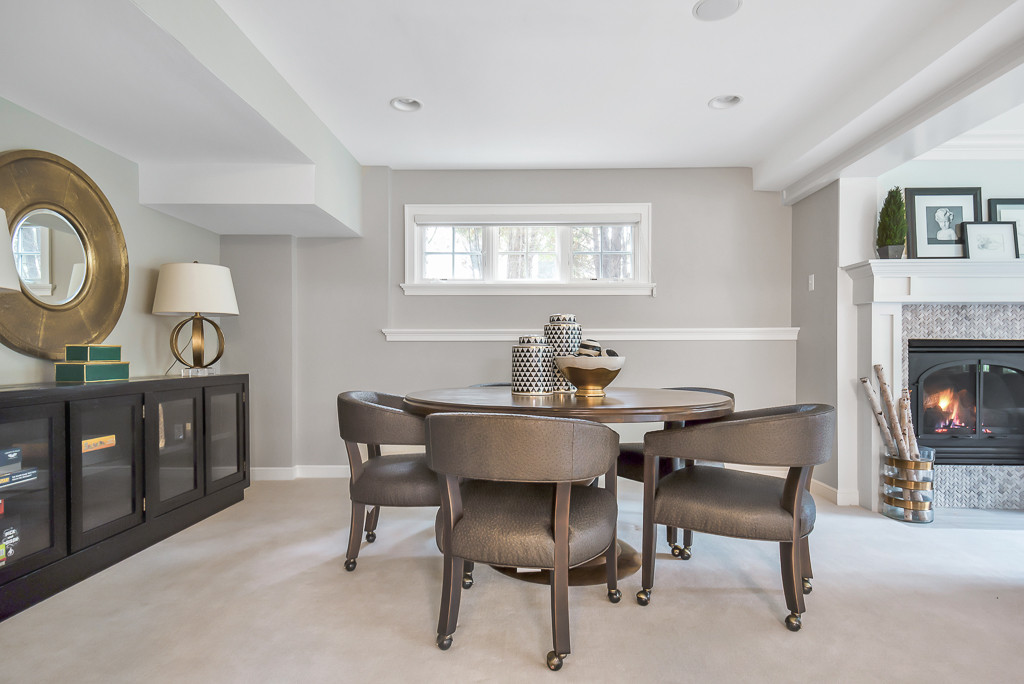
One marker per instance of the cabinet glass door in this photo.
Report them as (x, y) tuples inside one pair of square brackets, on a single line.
[(174, 449), (33, 517), (106, 468), (225, 443)]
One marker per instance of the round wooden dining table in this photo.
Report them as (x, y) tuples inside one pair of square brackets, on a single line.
[(619, 405)]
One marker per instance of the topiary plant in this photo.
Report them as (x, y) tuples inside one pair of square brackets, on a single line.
[(892, 220)]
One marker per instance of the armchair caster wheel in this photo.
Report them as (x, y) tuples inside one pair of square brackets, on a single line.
[(614, 595), (444, 642), (643, 597), (350, 564), (681, 552), (467, 580), (793, 622), (807, 585), (555, 660), (371, 537)]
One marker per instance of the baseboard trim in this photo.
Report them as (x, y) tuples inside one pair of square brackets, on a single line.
[(296, 472)]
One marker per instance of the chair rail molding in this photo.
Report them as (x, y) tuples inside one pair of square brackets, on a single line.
[(766, 334)]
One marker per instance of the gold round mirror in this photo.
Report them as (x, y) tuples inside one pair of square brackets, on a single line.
[(70, 254)]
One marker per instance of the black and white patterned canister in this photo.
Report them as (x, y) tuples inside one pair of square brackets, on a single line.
[(564, 334), (532, 364)]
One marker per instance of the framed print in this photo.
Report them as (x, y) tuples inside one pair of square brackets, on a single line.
[(933, 218), (990, 241), (1008, 209)]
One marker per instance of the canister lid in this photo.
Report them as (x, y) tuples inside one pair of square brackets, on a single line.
[(562, 318), (533, 339)]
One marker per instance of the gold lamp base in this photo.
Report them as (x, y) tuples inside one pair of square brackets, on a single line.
[(198, 345)]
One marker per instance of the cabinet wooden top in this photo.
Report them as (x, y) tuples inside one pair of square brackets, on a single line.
[(69, 391)]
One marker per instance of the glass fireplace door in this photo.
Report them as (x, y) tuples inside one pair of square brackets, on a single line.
[(949, 400)]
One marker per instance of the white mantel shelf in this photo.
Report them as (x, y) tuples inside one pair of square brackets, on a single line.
[(947, 281)]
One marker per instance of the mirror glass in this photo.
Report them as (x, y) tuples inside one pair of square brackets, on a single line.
[(50, 256)]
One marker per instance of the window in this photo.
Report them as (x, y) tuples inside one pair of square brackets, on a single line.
[(528, 249), (31, 245)]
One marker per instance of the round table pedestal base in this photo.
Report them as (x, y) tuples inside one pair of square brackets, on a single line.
[(589, 574)]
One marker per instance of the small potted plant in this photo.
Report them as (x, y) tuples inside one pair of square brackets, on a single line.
[(892, 226)]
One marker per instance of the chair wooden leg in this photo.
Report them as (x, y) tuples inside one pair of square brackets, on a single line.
[(805, 557), (792, 582), (643, 597), (612, 572), (371, 524), (355, 535), (451, 596), (467, 575), (560, 579), (671, 535)]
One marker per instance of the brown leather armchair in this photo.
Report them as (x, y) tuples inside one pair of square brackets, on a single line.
[(735, 503), (508, 500), (374, 419)]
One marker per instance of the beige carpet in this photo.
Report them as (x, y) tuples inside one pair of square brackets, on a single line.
[(258, 594)]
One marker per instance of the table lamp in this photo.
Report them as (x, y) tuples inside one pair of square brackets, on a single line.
[(9, 280), (195, 289)]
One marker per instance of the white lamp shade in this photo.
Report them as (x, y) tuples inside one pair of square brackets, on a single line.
[(9, 280), (195, 288)]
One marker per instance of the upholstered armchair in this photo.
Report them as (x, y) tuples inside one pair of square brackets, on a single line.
[(735, 503), (508, 499)]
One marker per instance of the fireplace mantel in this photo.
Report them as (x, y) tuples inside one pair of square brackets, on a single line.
[(946, 281)]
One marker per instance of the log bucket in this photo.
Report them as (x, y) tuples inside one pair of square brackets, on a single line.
[(907, 493)]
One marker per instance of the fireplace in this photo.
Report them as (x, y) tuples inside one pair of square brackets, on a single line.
[(968, 399)]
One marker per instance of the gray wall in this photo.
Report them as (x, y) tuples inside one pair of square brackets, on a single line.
[(152, 239), (263, 272), (721, 259), (816, 251)]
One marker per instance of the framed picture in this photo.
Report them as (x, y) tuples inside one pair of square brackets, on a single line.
[(933, 218), (990, 241), (1008, 209)]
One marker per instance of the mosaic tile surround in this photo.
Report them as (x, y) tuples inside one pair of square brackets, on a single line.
[(963, 486)]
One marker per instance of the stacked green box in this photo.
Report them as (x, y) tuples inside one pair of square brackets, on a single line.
[(92, 352), (91, 363)]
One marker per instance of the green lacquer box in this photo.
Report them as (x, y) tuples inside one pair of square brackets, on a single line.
[(91, 371), (92, 352)]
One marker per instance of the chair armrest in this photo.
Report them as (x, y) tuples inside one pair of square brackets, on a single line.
[(794, 436)]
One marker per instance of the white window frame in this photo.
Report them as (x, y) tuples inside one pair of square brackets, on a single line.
[(638, 214), (43, 287)]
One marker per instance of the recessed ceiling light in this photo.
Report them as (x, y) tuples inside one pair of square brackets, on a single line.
[(715, 10), (406, 104), (724, 101)]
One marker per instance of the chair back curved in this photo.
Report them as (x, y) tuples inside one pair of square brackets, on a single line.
[(512, 448), (377, 418), (795, 436)]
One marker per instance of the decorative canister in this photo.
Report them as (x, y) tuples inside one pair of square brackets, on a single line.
[(564, 334), (532, 365)]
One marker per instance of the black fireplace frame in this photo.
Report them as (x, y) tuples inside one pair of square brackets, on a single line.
[(976, 449)]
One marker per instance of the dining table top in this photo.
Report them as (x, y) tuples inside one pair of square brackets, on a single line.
[(619, 405)]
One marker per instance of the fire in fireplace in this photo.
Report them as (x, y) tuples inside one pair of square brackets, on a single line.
[(968, 399)]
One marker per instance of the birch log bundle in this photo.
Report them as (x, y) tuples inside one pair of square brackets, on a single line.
[(895, 422)]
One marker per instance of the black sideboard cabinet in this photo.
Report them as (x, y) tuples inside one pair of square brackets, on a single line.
[(93, 473)]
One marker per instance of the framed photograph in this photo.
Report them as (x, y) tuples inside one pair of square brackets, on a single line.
[(934, 216), (990, 241), (1008, 209)]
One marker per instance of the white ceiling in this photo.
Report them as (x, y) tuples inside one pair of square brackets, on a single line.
[(523, 84)]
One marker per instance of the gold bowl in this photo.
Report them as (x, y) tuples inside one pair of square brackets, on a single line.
[(590, 374)]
